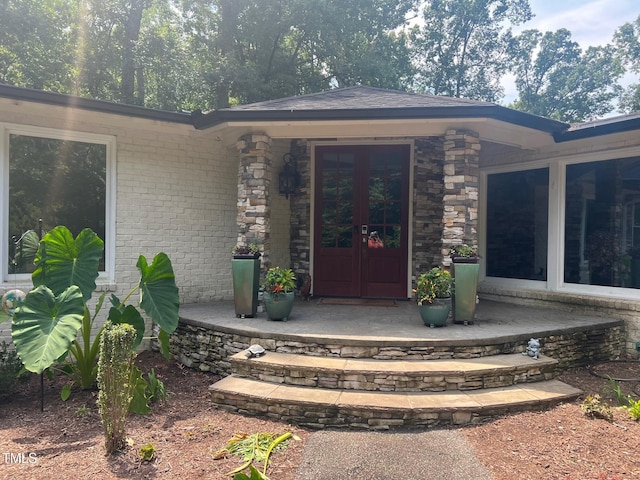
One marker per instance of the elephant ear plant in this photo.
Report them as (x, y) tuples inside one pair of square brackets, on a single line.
[(46, 324)]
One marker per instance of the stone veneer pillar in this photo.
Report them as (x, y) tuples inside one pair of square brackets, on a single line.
[(460, 201), (254, 204), (300, 244)]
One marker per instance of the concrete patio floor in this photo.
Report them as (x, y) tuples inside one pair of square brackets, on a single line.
[(395, 324), (494, 321)]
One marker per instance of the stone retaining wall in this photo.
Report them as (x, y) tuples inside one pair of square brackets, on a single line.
[(209, 350)]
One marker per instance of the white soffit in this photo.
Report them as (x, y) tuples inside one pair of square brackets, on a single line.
[(488, 129)]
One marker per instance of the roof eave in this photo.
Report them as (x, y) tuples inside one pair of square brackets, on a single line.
[(597, 130), (214, 118), (63, 100)]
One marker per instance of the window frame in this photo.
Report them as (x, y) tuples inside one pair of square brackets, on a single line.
[(6, 130), (556, 228)]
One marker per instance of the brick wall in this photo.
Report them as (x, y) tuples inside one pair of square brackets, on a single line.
[(176, 192)]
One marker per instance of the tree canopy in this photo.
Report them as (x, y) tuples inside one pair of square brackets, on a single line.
[(202, 54)]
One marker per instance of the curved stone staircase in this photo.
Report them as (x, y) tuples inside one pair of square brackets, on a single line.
[(319, 391)]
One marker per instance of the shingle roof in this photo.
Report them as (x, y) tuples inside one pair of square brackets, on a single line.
[(358, 98), (368, 103)]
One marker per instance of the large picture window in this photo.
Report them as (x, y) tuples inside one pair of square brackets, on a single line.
[(517, 224), (602, 223), (53, 181)]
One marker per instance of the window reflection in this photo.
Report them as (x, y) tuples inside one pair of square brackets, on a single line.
[(602, 241), (517, 217)]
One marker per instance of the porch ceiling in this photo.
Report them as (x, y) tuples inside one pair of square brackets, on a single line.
[(489, 130)]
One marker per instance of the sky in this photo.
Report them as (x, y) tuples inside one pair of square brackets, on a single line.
[(591, 23)]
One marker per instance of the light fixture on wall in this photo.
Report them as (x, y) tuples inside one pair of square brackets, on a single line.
[(289, 176)]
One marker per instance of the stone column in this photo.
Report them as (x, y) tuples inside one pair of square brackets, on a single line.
[(460, 201), (254, 181), (300, 245)]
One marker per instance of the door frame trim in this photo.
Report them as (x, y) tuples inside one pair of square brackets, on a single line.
[(363, 141)]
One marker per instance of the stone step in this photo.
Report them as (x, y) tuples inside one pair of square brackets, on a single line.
[(394, 375), (322, 407)]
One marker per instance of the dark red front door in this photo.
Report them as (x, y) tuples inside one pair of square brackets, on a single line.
[(361, 218)]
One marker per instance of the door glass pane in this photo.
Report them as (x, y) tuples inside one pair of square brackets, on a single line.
[(329, 188), (394, 187), (394, 214), (345, 237), (517, 218), (346, 164), (392, 237), (337, 200), (376, 213), (328, 213), (377, 165), (329, 164), (385, 194), (345, 214), (346, 188), (328, 236)]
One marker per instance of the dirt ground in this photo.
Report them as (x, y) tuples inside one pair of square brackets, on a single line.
[(561, 443)]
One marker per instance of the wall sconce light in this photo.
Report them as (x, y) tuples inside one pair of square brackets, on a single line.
[(289, 176)]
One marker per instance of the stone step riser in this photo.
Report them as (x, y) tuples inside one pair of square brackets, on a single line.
[(385, 379), (317, 414)]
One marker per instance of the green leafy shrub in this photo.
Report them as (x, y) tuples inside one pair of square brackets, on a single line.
[(10, 368), (147, 452), (279, 280), (46, 323), (115, 372), (633, 408), (436, 283)]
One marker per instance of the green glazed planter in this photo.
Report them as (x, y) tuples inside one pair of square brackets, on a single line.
[(279, 307), (435, 314), (465, 291)]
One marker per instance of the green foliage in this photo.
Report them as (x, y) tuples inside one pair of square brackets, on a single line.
[(615, 390), (156, 389), (45, 326), (147, 452), (146, 393), (556, 79), (254, 447), (436, 283), (627, 41), (461, 46), (279, 280), (594, 407), (115, 380), (10, 369), (255, 474), (634, 408), (464, 250)]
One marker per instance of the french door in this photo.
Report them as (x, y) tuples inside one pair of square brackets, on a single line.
[(361, 219)]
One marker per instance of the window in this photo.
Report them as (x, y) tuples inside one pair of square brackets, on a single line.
[(602, 223), (59, 178), (517, 224)]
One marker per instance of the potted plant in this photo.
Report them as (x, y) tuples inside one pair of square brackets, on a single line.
[(465, 282), (433, 295), (278, 292), (245, 268)]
